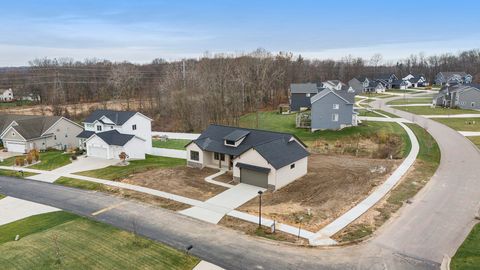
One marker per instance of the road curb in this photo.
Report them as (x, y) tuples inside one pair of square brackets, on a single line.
[(445, 263)]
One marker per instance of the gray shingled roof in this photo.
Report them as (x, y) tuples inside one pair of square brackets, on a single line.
[(356, 85), (276, 147), (85, 134), (113, 137), (117, 117), (303, 88), (29, 126), (236, 135)]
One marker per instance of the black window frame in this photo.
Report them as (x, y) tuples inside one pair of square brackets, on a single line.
[(99, 128), (229, 142), (134, 127), (194, 155), (292, 166)]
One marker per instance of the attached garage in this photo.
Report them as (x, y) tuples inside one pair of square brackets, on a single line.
[(97, 151), (253, 175), (16, 147)]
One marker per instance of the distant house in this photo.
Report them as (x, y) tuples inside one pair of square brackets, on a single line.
[(443, 78), (364, 80), (31, 97), (333, 109), (401, 84), (6, 95), (22, 133), (418, 81), (375, 87), (333, 84), (255, 157), (300, 94), (108, 133), (386, 79), (458, 96), (356, 85)]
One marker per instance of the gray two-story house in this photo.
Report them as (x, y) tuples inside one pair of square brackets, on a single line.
[(300, 94), (333, 109), (459, 96), (443, 78)]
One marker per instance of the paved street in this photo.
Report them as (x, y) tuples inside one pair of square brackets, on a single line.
[(435, 224)]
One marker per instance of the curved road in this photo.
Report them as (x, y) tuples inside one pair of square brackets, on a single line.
[(435, 224)]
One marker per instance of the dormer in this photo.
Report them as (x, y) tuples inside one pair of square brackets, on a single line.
[(235, 138)]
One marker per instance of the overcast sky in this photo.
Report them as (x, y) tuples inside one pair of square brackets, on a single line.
[(139, 31)]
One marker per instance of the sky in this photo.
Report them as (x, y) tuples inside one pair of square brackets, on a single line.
[(140, 31)]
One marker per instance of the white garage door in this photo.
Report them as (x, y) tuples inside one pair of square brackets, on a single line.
[(95, 151), (16, 147)]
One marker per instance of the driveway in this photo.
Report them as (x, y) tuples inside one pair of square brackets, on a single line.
[(84, 163), (215, 208), (5, 155), (12, 209), (433, 225), (81, 164)]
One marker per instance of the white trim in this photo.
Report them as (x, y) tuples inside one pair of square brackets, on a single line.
[(313, 99), (25, 140)]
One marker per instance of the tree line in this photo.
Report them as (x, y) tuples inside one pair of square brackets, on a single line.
[(188, 95)]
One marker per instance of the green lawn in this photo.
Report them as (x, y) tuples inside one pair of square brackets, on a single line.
[(81, 184), (400, 91), (170, 144), (135, 166), (475, 140), (286, 123), (461, 124), (16, 103), (426, 110), (15, 173), (376, 95), (49, 160), (64, 241), (410, 101), (467, 256), (387, 113), (2, 196), (363, 112)]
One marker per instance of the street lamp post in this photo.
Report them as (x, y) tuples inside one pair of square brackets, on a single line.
[(260, 209)]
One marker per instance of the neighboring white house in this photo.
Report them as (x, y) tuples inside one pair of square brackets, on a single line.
[(22, 133), (256, 157), (6, 95), (108, 133)]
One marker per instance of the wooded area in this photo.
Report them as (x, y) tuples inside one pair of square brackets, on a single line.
[(188, 95)]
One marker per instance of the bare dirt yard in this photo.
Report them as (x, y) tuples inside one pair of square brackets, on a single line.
[(225, 178), (333, 185), (183, 181)]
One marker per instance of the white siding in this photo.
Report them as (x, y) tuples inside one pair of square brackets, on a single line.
[(252, 157), (201, 155), (135, 149), (144, 129), (285, 175)]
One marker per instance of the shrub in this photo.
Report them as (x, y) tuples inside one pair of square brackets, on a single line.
[(20, 161), (35, 154), (73, 157), (29, 158)]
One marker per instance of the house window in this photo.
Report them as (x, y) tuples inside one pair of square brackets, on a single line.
[(473, 104), (229, 142), (13, 134), (292, 166), (194, 155), (335, 117), (134, 127), (336, 106), (99, 128), (218, 156), (55, 137), (66, 135)]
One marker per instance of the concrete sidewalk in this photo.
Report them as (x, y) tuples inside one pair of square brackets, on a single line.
[(337, 225), (214, 209), (13, 209), (383, 119), (470, 133), (469, 115)]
